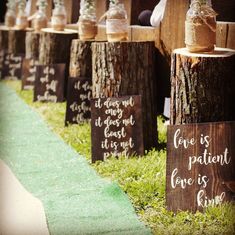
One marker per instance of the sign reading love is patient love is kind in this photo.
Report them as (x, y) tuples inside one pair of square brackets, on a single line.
[(200, 165), (116, 127), (49, 83)]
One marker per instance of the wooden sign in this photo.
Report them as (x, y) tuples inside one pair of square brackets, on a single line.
[(200, 165), (13, 66), (28, 73), (49, 83), (5, 65), (116, 127), (78, 100)]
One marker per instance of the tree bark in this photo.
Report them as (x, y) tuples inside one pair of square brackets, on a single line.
[(55, 46), (202, 86), (127, 68), (4, 31), (32, 43), (80, 59), (16, 41)]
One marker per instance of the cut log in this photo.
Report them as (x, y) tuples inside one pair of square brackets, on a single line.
[(16, 41), (4, 31), (55, 49), (55, 46), (32, 45), (202, 86), (127, 68), (80, 59)]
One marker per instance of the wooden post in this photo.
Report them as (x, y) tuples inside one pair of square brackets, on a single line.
[(80, 59), (202, 86), (101, 8), (55, 46), (32, 45), (134, 8), (72, 8), (127, 68)]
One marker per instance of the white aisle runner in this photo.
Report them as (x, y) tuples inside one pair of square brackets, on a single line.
[(20, 212)]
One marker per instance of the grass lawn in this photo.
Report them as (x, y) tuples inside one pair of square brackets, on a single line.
[(143, 179)]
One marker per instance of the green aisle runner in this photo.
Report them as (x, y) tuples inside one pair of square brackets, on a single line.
[(75, 198)]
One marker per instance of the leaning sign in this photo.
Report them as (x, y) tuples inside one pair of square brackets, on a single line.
[(116, 127), (200, 165), (49, 83)]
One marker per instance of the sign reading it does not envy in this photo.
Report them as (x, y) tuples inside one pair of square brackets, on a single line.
[(200, 165), (116, 127)]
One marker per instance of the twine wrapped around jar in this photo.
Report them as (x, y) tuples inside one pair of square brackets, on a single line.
[(40, 21), (117, 29), (40, 17), (58, 19), (22, 18), (22, 21), (87, 29), (200, 28), (10, 19), (116, 23)]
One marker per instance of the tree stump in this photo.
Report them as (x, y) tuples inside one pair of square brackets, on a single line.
[(55, 46), (55, 49), (32, 43), (80, 59), (80, 71), (16, 41), (4, 31), (127, 68), (202, 86)]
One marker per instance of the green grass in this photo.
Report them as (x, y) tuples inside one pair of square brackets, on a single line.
[(142, 178)]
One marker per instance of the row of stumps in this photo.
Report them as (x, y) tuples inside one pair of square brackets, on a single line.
[(110, 85), (113, 85)]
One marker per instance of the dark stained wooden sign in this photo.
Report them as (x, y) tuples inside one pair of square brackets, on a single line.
[(78, 100), (28, 73), (15, 66), (49, 83), (116, 127), (12, 66), (5, 65), (200, 165)]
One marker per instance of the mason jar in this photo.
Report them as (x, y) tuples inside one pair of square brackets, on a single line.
[(58, 19), (87, 27), (116, 23), (200, 27)]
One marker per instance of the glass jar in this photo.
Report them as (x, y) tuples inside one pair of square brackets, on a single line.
[(58, 19), (10, 18), (40, 20), (22, 20), (87, 27), (116, 23), (200, 27)]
